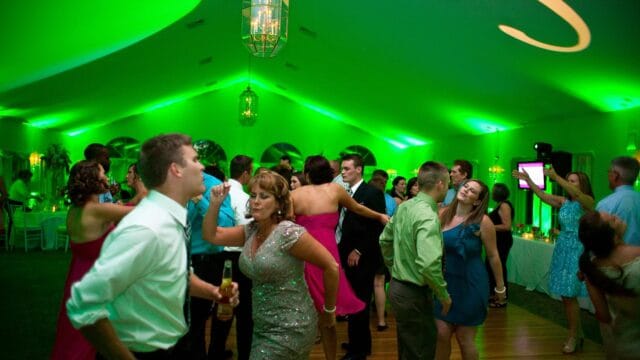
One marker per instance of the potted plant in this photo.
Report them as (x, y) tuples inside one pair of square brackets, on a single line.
[(56, 166)]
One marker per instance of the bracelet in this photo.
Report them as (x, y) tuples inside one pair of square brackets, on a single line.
[(357, 252), (504, 290), (330, 311)]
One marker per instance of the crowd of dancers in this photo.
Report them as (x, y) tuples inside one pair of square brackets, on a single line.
[(309, 246)]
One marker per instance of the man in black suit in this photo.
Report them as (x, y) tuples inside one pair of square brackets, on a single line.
[(360, 252)]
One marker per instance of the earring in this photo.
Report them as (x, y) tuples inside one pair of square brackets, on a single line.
[(279, 212)]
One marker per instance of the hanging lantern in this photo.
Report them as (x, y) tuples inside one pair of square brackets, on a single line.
[(265, 26), (248, 107), (34, 159)]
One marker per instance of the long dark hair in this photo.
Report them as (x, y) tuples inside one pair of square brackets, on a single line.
[(598, 238), (477, 212)]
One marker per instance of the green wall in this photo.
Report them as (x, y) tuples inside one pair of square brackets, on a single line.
[(213, 116)]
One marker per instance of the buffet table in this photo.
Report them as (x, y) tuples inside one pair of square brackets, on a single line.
[(528, 265)]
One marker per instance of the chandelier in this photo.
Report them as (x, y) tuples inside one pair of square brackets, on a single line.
[(265, 26), (248, 107)]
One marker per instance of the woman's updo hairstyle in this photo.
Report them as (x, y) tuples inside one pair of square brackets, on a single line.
[(84, 181), (276, 185)]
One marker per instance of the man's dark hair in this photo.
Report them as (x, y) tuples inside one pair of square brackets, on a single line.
[(627, 167), (94, 151), (380, 172), (157, 155), (430, 173), (215, 171), (240, 164), (357, 160), (465, 167)]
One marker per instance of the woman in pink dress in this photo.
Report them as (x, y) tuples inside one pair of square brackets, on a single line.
[(316, 208), (88, 224)]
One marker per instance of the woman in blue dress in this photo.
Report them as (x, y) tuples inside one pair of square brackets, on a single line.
[(466, 229), (563, 278)]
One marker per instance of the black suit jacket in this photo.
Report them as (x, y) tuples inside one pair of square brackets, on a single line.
[(359, 232)]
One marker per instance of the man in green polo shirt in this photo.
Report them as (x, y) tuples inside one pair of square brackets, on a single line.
[(411, 245)]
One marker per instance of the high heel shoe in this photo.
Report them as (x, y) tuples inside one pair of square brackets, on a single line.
[(572, 345)]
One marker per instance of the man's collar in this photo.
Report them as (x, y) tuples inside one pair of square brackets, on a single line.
[(355, 187)]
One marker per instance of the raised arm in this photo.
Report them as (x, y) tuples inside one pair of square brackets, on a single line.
[(109, 212), (211, 232), (585, 200), (488, 237), (308, 249), (553, 200), (347, 201)]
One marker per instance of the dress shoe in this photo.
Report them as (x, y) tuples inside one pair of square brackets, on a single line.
[(341, 318), (383, 327)]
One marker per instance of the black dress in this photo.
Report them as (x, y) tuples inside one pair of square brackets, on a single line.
[(504, 241)]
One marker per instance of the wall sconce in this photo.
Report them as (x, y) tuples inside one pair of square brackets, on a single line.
[(35, 159)]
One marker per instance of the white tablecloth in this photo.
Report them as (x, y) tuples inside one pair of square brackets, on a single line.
[(528, 265), (46, 220)]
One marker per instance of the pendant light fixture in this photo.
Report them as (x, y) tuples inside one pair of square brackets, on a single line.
[(248, 107), (265, 26)]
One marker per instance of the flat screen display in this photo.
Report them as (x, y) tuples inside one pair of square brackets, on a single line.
[(535, 169)]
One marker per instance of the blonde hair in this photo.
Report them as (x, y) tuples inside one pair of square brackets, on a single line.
[(276, 185)]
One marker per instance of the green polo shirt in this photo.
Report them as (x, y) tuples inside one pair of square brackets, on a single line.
[(411, 244)]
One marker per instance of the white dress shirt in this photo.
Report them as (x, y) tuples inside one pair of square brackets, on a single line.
[(239, 201), (139, 281)]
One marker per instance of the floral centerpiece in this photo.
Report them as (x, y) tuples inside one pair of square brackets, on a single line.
[(56, 166)]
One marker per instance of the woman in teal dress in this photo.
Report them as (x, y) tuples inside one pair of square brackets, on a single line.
[(466, 229), (273, 257), (611, 270), (563, 278)]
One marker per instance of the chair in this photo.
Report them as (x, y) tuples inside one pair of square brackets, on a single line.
[(4, 233), (25, 226), (54, 231)]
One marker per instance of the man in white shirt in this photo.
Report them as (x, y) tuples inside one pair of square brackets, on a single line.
[(462, 170), (240, 171), (130, 304)]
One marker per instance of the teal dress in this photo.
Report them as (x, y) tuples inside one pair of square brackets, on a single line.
[(466, 276), (563, 278), (284, 318)]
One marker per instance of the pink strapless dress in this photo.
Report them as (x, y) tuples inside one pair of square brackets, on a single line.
[(323, 228), (70, 344)]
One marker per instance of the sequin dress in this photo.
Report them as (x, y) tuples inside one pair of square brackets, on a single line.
[(323, 228), (563, 278), (284, 317), (466, 276), (70, 343)]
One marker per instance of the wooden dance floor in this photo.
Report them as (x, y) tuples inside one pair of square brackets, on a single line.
[(510, 333)]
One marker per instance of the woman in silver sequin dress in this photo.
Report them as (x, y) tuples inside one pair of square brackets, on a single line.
[(273, 256)]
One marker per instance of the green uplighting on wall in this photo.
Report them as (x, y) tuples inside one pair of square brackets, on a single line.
[(397, 144), (413, 141), (606, 92), (178, 98), (322, 110), (477, 122), (52, 120)]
